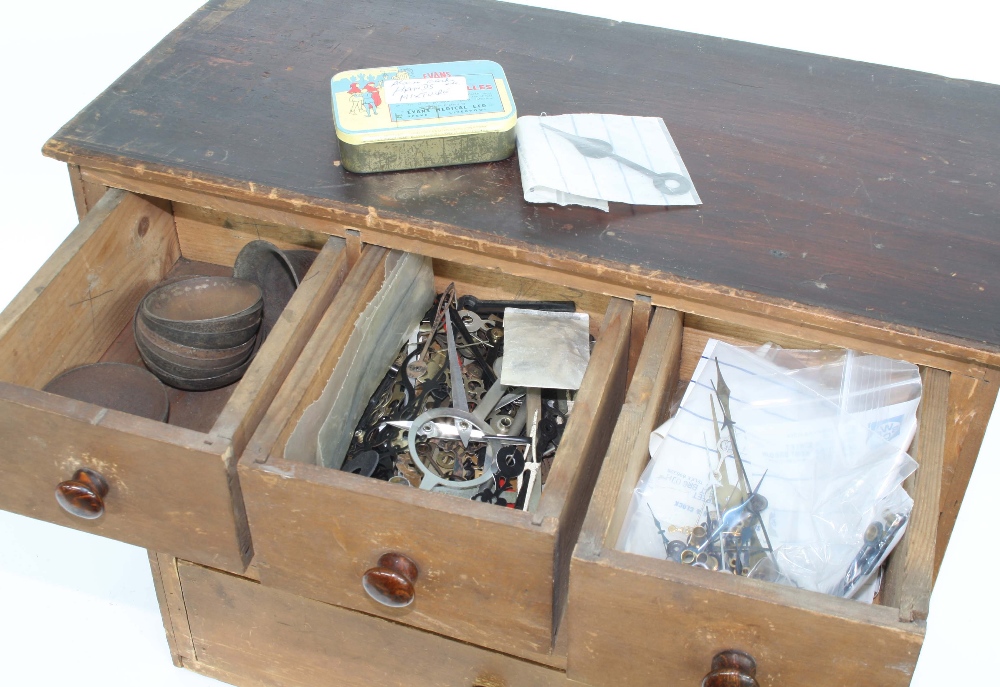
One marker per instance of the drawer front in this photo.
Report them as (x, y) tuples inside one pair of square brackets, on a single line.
[(167, 487), (688, 615), (253, 634), (486, 575), (687, 618)]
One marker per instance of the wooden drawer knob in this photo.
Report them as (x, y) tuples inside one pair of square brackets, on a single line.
[(732, 669), (83, 496), (391, 581)]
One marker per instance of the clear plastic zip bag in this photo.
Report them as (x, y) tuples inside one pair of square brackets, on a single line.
[(782, 465)]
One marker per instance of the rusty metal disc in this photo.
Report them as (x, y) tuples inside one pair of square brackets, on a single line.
[(175, 373), (194, 357), (301, 260), (204, 384), (117, 386), (277, 273)]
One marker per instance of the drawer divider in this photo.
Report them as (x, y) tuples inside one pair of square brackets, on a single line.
[(585, 441), (909, 575), (642, 311), (645, 407), (320, 354), (284, 344)]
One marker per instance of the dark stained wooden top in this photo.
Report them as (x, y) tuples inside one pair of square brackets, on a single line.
[(868, 190)]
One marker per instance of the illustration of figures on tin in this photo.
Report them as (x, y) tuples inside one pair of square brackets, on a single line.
[(386, 98), (371, 99)]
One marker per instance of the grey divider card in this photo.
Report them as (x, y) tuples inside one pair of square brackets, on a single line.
[(324, 433), (589, 159), (549, 350)]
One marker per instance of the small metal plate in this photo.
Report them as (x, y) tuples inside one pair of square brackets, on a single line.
[(548, 350), (117, 386)]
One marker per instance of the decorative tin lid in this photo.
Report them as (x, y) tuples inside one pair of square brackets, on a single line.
[(420, 101)]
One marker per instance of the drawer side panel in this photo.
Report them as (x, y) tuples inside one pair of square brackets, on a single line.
[(87, 291), (971, 403), (909, 574), (585, 440)]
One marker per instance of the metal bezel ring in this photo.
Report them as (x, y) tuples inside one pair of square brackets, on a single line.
[(429, 476)]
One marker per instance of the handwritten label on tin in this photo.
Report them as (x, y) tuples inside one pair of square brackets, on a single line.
[(426, 90)]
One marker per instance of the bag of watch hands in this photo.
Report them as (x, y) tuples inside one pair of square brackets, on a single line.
[(782, 465)]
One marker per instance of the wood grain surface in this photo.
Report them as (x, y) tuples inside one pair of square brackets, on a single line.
[(635, 620), (909, 574), (250, 634), (87, 291), (285, 342), (85, 193), (316, 530), (970, 403), (862, 190), (585, 440), (782, 318), (644, 408), (170, 597), (169, 487)]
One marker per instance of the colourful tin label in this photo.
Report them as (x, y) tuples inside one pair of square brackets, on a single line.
[(422, 101)]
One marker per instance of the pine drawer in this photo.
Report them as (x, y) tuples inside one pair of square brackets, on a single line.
[(246, 633), (172, 487), (489, 576), (688, 615)]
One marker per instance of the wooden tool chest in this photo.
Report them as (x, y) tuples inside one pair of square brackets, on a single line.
[(223, 134)]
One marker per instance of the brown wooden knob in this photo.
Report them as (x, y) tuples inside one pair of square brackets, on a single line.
[(391, 582), (83, 496), (732, 669)]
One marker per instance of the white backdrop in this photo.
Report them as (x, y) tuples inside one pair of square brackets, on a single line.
[(79, 608)]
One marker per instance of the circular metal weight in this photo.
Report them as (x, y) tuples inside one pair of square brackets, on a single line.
[(277, 273), (203, 305), (190, 356), (128, 388)]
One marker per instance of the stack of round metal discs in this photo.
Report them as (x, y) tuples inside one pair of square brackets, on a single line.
[(199, 333)]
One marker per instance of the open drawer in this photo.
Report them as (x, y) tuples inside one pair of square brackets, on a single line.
[(171, 487), (633, 620), (487, 575)]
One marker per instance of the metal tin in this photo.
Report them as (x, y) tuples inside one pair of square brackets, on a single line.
[(423, 115)]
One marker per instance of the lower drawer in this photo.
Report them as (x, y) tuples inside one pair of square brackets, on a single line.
[(171, 487), (633, 620), (249, 634)]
